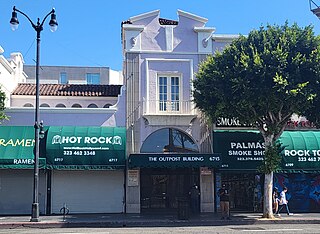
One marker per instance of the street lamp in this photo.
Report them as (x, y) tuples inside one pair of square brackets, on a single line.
[(314, 8), (38, 27)]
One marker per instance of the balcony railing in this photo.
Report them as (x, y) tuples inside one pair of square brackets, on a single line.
[(157, 107)]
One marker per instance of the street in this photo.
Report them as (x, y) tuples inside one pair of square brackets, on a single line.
[(245, 229)]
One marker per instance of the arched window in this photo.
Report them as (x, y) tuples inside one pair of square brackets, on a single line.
[(44, 105), (107, 105), (28, 105), (92, 105), (76, 105), (169, 140), (61, 105)]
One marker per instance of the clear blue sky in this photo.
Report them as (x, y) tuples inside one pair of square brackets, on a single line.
[(89, 31)]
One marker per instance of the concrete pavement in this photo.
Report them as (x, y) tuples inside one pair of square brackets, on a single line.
[(152, 220)]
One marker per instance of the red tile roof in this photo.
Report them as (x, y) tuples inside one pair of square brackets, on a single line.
[(69, 90)]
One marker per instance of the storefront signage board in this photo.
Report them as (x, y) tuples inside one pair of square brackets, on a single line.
[(302, 150), (174, 160), (240, 150), (133, 178), (244, 150), (17, 147), (72, 147)]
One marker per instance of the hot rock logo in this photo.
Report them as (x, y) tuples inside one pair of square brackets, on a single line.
[(115, 140)]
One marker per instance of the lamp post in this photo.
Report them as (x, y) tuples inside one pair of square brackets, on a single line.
[(314, 8), (38, 27)]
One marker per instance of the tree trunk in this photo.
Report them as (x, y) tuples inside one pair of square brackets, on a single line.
[(267, 201), (268, 185)]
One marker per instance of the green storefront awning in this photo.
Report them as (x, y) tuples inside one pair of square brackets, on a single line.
[(174, 160), (302, 150), (17, 148), (91, 148), (244, 150)]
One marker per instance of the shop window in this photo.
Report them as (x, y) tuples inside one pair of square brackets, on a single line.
[(169, 140), (169, 93)]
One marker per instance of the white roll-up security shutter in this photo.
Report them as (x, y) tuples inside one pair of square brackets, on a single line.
[(16, 191), (87, 191)]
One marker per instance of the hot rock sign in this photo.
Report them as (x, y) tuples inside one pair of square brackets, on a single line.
[(302, 153), (114, 140)]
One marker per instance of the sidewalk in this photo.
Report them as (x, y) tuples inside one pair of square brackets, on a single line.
[(151, 220)]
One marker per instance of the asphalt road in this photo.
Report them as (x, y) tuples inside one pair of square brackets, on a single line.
[(245, 229)]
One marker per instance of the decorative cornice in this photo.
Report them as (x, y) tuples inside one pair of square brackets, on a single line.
[(132, 27), (192, 16), (6, 64), (204, 29), (145, 15), (225, 37)]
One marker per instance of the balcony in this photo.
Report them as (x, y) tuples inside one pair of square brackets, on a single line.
[(175, 112), (157, 107)]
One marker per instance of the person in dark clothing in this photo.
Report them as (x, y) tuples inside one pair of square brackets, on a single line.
[(224, 202), (275, 200), (195, 199)]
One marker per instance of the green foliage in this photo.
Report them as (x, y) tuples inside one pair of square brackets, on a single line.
[(272, 158), (2, 106), (263, 78)]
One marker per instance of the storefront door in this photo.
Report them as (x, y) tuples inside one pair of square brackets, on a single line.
[(161, 188), (246, 190)]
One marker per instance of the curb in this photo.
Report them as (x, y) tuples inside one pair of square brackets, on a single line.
[(151, 223)]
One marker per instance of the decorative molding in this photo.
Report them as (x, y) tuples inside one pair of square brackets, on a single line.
[(133, 41), (169, 120), (144, 15), (56, 110), (131, 27), (204, 29), (192, 16), (225, 37), (205, 42), (6, 64)]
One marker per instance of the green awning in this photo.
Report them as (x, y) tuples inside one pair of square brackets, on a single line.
[(244, 150), (302, 150), (17, 148), (174, 160), (92, 148), (240, 150)]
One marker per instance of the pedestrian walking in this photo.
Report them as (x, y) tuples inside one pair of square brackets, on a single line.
[(224, 202), (283, 202)]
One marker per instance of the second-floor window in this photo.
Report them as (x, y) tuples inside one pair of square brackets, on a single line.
[(169, 93), (63, 78), (93, 78)]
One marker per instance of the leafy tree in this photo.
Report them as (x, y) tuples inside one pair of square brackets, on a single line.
[(262, 79), (2, 106)]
